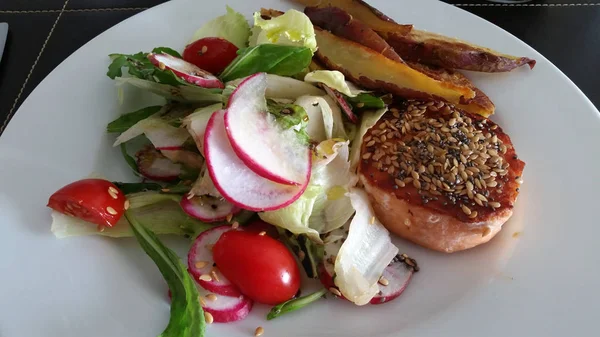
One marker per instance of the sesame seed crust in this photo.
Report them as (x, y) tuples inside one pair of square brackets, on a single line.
[(442, 158)]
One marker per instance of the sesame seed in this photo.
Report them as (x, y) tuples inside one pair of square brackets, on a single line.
[(235, 225), (161, 66), (486, 231), (208, 317), (205, 277), (211, 297), (202, 301), (111, 210), (204, 49), (200, 264), (259, 331), (100, 228), (214, 275), (126, 204), (383, 281), (190, 196), (113, 192), (301, 255), (360, 105), (466, 209), (372, 221), (473, 215), (335, 291)]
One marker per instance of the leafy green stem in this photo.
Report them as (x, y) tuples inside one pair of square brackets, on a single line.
[(295, 304)]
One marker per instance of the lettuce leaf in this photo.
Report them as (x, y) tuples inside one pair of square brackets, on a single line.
[(335, 80), (161, 213), (232, 27), (178, 93), (324, 117), (365, 253), (281, 87), (368, 120), (293, 28), (323, 206)]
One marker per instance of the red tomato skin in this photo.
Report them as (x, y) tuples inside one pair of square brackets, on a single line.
[(212, 54), (90, 200), (260, 266)]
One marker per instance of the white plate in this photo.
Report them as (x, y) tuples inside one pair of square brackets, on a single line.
[(543, 283)]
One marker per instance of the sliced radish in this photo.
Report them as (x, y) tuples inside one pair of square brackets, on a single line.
[(341, 102), (267, 149), (207, 208), (225, 308), (185, 70), (235, 181), (153, 165), (201, 263), (398, 275)]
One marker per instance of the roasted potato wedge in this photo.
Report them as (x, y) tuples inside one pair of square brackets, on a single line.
[(342, 24), (362, 11), (480, 104), (372, 70), (424, 47)]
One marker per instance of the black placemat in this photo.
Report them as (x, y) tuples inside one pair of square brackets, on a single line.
[(45, 32)]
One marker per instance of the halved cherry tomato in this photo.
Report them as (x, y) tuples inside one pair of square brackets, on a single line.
[(212, 54), (260, 266), (94, 200)]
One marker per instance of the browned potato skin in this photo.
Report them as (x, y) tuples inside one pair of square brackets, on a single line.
[(372, 70), (439, 50), (480, 105), (342, 24), (362, 11)]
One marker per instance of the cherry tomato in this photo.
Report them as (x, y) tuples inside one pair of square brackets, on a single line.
[(259, 226), (260, 266), (94, 200), (212, 54)]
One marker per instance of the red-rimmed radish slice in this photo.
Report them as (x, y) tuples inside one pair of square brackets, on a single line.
[(397, 276), (223, 308), (185, 70), (341, 101), (207, 208), (201, 263), (267, 149), (235, 181), (153, 165)]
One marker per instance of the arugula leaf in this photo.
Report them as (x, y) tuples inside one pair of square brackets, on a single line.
[(187, 316), (128, 120), (290, 116), (295, 304), (269, 58), (365, 101), (128, 188), (166, 50), (139, 66)]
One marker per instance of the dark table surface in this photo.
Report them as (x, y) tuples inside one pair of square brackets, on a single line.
[(44, 32)]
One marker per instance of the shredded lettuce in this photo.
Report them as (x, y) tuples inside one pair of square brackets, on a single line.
[(182, 93), (293, 28), (161, 213), (323, 206), (368, 120), (324, 118), (365, 253), (335, 80), (232, 27), (158, 131), (197, 121)]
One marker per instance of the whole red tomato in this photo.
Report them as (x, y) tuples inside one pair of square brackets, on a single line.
[(94, 200), (260, 266), (212, 54)]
